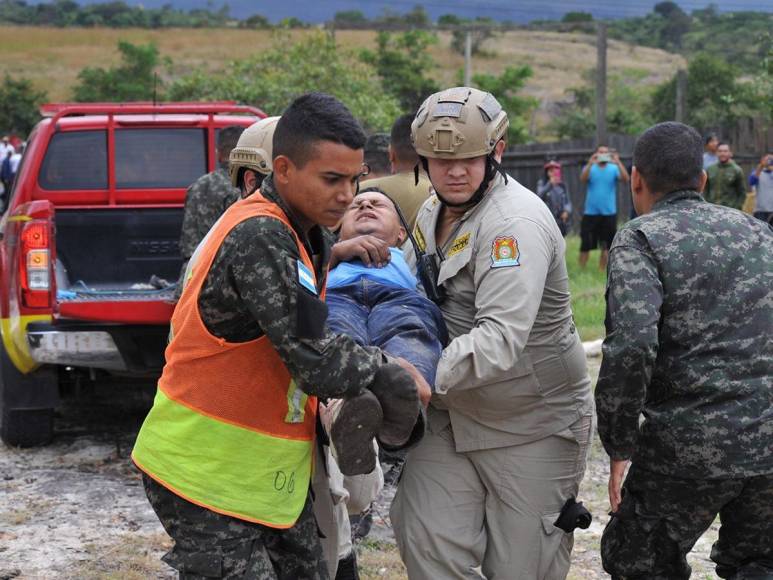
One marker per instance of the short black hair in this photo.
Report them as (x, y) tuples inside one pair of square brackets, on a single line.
[(709, 137), (722, 143), (669, 157), (311, 118), (228, 138), (401, 140), (377, 153)]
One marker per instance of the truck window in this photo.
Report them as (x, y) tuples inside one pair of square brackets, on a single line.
[(75, 160), (159, 158)]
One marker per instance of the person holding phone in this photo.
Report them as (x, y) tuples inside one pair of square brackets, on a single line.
[(599, 221)]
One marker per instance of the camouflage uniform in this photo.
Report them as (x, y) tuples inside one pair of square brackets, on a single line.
[(726, 184), (205, 201), (252, 290), (689, 325)]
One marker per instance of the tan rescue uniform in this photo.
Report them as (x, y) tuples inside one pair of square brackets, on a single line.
[(510, 425)]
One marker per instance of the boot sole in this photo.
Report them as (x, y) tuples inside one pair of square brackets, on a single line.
[(353, 432)]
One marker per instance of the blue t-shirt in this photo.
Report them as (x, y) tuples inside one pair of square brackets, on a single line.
[(396, 273), (602, 190)]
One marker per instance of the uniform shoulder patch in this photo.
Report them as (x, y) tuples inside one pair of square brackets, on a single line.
[(459, 244), (505, 252), (306, 278)]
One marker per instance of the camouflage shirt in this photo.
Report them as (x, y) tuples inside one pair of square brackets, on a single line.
[(205, 201), (252, 290), (726, 184), (690, 342)]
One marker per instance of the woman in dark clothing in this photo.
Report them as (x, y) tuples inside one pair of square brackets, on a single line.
[(552, 190)]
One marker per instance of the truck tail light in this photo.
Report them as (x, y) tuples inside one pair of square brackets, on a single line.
[(35, 264)]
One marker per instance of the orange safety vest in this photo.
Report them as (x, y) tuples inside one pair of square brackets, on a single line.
[(229, 429)]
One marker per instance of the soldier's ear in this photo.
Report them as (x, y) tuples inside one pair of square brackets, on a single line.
[(282, 168), (704, 179)]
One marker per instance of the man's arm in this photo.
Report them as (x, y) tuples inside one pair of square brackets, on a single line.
[(507, 298), (263, 267), (624, 177), (634, 298), (585, 175)]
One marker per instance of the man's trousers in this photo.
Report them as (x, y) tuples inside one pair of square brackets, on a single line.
[(661, 518)]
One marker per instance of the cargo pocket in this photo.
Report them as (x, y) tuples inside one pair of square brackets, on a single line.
[(555, 550), (231, 558), (195, 565), (629, 542)]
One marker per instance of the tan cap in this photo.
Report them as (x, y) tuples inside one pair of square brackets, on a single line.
[(253, 150), (458, 123)]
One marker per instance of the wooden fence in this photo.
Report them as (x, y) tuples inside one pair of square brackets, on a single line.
[(750, 139)]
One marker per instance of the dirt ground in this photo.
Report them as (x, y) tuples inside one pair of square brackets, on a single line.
[(76, 509)]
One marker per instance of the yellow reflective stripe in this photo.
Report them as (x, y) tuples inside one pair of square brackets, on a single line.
[(14, 331), (20, 218), (229, 469), (296, 404)]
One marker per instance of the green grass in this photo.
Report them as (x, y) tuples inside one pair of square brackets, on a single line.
[(587, 288)]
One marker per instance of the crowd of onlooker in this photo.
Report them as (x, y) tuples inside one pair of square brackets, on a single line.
[(726, 185), (10, 157)]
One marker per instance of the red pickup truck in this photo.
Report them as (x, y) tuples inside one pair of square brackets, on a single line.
[(89, 247)]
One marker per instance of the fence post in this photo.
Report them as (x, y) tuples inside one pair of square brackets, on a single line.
[(467, 57), (601, 83), (681, 96)]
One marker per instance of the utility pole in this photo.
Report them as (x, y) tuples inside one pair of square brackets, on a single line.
[(681, 96), (601, 83), (467, 57)]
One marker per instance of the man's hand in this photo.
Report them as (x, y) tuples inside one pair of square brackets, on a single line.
[(616, 474), (564, 217), (422, 386), (371, 250)]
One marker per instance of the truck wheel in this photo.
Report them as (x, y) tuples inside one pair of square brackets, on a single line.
[(27, 404), (27, 428)]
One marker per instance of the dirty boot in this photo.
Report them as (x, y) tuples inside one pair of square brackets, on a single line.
[(352, 433), (399, 398)]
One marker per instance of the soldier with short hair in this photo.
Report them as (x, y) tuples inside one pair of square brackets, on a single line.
[(726, 184), (208, 197), (226, 450), (690, 346)]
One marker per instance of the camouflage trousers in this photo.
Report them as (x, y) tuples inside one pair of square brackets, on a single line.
[(661, 518), (211, 545)]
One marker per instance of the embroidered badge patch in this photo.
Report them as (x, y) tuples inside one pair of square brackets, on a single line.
[(420, 241), (459, 244), (306, 278), (505, 252)]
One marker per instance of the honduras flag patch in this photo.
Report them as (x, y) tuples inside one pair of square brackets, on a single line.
[(306, 278)]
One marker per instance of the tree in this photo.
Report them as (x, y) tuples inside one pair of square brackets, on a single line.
[(133, 80), (19, 104), (627, 97), (762, 84), (573, 17), (505, 88), (349, 17), (714, 95), (255, 21), (401, 61), (480, 30), (676, 25), (273, 78)]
